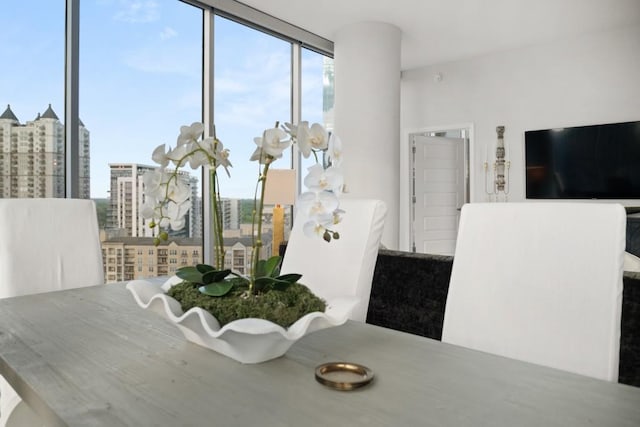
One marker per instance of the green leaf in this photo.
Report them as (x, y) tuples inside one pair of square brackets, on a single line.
[(270, 265), (217, 289), (214, 276), (261, 283), (204, 268), (279, 283), (189, 274), (260, 268), (290, 278)]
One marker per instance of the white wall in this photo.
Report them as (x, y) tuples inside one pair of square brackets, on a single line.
[(592, 79)]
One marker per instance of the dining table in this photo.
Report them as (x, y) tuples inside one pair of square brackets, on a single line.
[(92, 357)]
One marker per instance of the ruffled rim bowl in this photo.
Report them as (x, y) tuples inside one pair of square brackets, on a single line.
[(245, 340)]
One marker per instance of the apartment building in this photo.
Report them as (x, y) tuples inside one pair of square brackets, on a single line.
[(128, 258), (32, 156)]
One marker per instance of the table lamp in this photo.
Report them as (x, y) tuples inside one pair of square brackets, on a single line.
[(280, 190)]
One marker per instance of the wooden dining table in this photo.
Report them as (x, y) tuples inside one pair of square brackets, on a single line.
[(92, 357)]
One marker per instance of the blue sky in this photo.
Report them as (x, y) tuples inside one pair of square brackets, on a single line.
[(140, 79)]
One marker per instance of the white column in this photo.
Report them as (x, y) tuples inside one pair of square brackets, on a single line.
[(367, 115)]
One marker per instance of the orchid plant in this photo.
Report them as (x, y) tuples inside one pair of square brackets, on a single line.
[(167, 197)]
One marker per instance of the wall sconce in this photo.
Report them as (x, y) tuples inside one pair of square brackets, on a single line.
[(280, 190), (496, 182)]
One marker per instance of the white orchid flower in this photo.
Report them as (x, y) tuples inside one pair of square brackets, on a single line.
[(302, 136), (335, 150), (321, 209), (318, 205), (270, 146), (221, 156), (317, 226), (190, 133), (260, 156), (274, 142), (177, 192), (178, 224), (292, 129), (303, 139), (160, 156), (309, 139), (181, 154), (320, 179), (176, 214), (337, 216), (318, 138), (150, 209), (167, 197), (153, 181), (200, 152)]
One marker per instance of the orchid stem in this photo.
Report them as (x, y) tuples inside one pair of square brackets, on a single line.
[(257, 242), (218, 242)]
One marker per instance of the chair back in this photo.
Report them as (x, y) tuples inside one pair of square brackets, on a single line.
[(344, 266), (540, 282), (48, 245), (45, 245)]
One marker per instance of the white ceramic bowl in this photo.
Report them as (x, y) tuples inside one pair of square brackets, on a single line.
[(245, 340)]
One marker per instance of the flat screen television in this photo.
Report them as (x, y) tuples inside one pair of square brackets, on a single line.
[(585, 162)]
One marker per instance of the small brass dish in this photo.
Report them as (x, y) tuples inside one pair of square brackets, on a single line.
[(343, 376)]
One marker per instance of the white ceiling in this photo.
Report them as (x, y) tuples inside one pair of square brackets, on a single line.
[(435, 31)]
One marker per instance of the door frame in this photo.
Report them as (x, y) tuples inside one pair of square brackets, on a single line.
[(406, 174)]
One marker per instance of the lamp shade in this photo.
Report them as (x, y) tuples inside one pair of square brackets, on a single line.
[(280, 187)]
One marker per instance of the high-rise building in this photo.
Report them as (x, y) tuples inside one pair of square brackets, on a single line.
[(127, 194), (32, 156), (230, 214)]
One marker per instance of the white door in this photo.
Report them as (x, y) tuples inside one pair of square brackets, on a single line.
[(439, 190)]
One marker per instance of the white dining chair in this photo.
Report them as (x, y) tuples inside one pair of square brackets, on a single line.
[(45, 245), (344, 266), (540, 282), (631, 262)]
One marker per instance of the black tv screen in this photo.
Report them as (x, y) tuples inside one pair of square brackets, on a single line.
[(586, 162)]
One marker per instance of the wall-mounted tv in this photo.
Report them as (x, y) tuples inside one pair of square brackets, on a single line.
[(586, 162)]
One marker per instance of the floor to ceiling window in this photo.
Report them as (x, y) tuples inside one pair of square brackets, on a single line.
[(31, 99), (142, 73), (252, 91), (140, 80)]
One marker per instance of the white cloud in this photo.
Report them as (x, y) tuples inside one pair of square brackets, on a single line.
[(189, 100), (137, 11), (165, 60), (168, 33), (229, 85), (255, 90)]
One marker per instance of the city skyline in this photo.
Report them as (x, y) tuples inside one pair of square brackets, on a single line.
[(141, 79)]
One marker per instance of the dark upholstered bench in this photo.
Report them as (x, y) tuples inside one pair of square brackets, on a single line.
[(409, 293)]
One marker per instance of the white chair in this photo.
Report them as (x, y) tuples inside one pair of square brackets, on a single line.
[(45, 245), (342, 267), (631, 262), (540, 282)]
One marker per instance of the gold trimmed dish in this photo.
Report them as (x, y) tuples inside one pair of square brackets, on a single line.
[(343, 375)]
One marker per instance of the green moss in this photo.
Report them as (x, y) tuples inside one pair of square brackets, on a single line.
[(280, 307)]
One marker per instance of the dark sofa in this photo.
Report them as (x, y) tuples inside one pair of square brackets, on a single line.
[(409, 292)]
